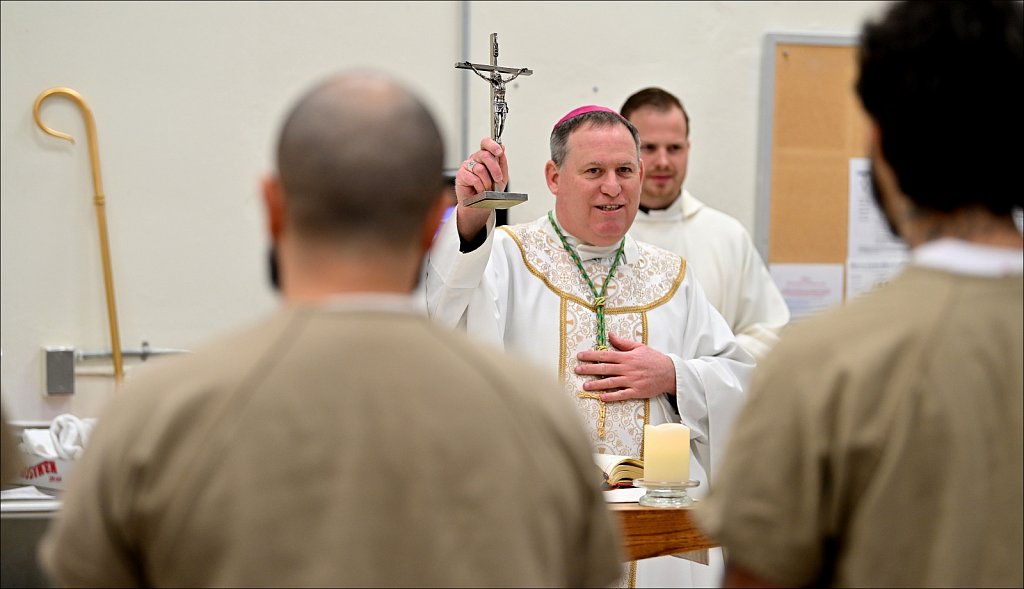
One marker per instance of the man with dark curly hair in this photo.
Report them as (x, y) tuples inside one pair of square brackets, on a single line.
[(881, 444)]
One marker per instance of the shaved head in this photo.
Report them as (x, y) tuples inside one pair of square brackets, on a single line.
[(360, 159)]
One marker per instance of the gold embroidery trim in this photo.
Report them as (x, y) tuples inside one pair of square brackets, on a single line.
[(602, 410), (676, 282)]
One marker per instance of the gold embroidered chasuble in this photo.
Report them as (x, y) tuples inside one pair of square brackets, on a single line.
[(520, 290), (633, 291)]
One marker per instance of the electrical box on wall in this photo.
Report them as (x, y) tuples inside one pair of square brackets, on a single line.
[(60, 371)]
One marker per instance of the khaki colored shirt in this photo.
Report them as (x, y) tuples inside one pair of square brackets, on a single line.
[(881, 444), (348, 446)]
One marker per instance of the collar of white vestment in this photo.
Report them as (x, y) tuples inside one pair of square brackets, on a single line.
[(589, 252), (683, 207)]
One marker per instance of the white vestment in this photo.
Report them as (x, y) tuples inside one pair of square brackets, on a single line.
[(521, 290), (719, 251)]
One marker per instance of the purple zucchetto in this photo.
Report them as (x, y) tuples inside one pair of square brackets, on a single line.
[(581, 111)]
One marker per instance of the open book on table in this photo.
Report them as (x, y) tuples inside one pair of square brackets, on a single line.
[(619, 471)]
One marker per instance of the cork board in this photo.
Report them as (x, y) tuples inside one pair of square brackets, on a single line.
[(811, 125)]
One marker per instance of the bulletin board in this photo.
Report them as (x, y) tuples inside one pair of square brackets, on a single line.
[(811, 124)]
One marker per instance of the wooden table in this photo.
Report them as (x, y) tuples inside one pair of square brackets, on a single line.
[(658, 531)]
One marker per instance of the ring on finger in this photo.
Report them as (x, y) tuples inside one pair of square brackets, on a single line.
[(470, 164)]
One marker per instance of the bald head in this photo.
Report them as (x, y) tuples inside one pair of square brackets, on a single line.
[(360, 160)]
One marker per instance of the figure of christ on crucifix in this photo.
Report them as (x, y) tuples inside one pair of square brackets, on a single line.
[(500, 106)]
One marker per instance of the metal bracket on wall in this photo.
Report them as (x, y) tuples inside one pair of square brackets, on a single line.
[(61, 361), (60, 371)]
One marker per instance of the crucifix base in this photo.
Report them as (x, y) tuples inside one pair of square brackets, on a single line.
[(495, 200)]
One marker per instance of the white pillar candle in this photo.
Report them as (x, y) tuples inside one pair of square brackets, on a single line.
[(667, 453)]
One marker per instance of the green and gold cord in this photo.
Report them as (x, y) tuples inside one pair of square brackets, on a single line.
[(599, 298)]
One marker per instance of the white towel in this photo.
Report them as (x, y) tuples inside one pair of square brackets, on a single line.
[(70, 435), (38, 441)]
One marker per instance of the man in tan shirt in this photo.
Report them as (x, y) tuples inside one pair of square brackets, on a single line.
[(881, 445), (346, 440)]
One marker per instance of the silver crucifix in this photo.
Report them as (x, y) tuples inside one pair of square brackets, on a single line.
[(499, 111)]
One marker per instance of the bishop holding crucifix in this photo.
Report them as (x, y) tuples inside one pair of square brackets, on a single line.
[(624, 324)]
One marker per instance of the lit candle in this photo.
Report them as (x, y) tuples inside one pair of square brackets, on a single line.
[(667, 453)]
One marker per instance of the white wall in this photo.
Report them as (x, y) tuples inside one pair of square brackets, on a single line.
[(188, 97)]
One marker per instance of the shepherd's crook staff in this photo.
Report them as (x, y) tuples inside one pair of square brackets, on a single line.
[(101, 219)]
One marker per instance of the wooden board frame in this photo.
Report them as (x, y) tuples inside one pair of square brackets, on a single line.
[(810, 125)]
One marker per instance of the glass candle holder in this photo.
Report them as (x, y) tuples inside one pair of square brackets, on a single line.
[(665, 493)]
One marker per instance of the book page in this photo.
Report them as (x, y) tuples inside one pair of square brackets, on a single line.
[(608, 461)]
